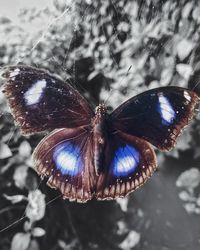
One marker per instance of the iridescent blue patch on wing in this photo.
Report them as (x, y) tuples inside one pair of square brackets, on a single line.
[(67, 159), (165, 109), (125, 161), (33, 95)]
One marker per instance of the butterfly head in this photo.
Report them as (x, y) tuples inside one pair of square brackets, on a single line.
[(101, 110)]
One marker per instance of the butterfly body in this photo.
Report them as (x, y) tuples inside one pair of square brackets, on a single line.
[(91, 154)]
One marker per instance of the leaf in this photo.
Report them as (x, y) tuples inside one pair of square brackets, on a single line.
[(8, 136), (166, 76), (184, 70), (74, 244), (25, 149), (184, 47), (123, 202), (130, 241), (21, 241), (20, 176), (36, 206), (186, 196), (92, 75), (28, 226), (189, 179), (34, 245), (122, 227), (190, 207), (15, 198), (196, 13), (38, 232), (5, 151), (62, 244), (187, 9)]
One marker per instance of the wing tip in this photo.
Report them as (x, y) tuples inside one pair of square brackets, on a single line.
[(179, 128)]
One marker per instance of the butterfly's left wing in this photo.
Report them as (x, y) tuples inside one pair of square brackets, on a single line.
[(127, 163), (157, 115), (65, 156), (40, 101)]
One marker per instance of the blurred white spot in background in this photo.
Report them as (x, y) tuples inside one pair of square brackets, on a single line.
[(123, 202), (130, 241), (189, 181)]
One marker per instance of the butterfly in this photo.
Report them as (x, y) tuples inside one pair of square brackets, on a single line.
[(92, 154)]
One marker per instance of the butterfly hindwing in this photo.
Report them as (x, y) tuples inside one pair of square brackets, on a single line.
[(40, 101), (157, 115), (65, 157), (127, 163)]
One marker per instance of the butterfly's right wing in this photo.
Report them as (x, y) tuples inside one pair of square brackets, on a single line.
[(40, 101), (65, 157), (157, 116)]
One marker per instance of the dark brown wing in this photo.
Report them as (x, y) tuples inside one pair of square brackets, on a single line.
[(127, 163), (157, 115), (40, 101), (66, 158)]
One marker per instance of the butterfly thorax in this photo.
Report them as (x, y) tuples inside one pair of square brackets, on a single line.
[(100, 111), (99, 118)]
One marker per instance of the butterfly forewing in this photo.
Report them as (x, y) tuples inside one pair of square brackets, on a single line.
[(127, 163), (65, 157), (157, 115), (40, 101)]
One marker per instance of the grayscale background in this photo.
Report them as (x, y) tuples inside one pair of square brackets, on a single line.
[(110, 50)]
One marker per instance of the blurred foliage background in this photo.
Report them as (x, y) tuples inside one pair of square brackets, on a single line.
[(109, 50)]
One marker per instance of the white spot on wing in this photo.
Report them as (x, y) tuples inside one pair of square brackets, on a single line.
[(125, 164), (166, 109), (125, 161), (187, 96), (33, 95), (66, 161), (14, 73)]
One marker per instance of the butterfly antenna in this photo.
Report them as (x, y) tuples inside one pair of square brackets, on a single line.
[(12, 224), (25, 216), (22, 217), (105, 102), (195, 86)]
